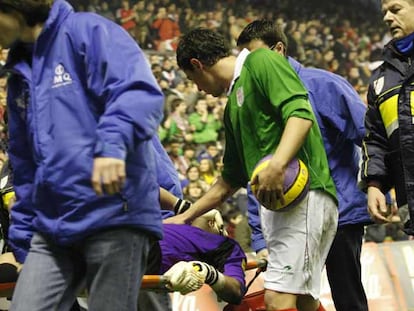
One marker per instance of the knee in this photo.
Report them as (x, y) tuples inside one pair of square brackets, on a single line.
[(279, 301)]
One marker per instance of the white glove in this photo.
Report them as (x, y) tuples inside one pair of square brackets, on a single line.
[(184, 278)]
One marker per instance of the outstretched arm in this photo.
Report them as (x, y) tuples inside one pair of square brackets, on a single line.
[(214, 197)]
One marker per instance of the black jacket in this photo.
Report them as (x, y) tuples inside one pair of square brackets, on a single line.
[(388, 147)]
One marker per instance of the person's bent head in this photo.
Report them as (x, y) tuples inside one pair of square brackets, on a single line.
[(205, 45), (34, 11), (211, 222), (198, 52), (263, 34), (18, 15)]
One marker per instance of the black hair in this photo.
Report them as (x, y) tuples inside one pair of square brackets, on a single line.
[(203, 44), (264, 30), (34, 12)]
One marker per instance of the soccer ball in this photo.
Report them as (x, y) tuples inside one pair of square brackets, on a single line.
[(296, 184)]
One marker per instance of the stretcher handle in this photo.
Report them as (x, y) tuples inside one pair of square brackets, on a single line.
[(148, 281), (154, 281), (254, 264), (7, 286)]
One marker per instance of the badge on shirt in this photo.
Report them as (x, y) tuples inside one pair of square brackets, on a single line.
[(240, 96), (378, 85)]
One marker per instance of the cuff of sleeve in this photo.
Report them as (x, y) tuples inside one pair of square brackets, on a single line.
[(108, 150), (374, 183), (299, 107), (258, 245), (20, 254)]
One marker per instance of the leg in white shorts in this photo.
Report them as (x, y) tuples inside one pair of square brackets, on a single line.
[(298, 242)]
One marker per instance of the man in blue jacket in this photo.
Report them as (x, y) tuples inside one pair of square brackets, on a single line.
[(340, 115), (81, 124)]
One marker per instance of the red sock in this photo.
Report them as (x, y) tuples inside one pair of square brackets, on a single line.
[(321, 308)]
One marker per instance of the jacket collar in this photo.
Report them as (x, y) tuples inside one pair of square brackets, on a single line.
[(239, 66)]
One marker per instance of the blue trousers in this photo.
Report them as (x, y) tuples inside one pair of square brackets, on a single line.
[(110, 264)]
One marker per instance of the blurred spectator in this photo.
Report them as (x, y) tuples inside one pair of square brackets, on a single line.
[(189, 153), (211, 151), (169, 73), (354, 77), (207, 171), (193, 191), (312, 39), (3, 84), (144, 38), (94, 6), (174, 150), (167, 30), (157, 71), (176, 124), (205, 123), (340, 47), (143, 19), (193, 174), (237, 226), (126, 17), (3, 56), (105, 11)]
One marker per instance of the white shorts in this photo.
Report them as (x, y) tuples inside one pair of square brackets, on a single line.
[(298, 242)]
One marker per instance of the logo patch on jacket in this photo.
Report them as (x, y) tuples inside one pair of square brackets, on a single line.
[(378, 85), (240, 96), (61, 77)]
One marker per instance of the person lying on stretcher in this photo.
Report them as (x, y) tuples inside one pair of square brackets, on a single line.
[(190, 255)]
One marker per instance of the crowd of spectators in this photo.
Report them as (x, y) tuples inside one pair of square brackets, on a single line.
[(344, 37)]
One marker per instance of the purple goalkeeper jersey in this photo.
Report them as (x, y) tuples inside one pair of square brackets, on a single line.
[(188, 243)]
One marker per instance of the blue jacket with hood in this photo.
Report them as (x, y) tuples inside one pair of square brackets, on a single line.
[(340, 115), (83, 90)]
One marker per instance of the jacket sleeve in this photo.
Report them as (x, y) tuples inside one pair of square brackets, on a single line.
[(258, 242), (22, 215), (119, 76), (374, 148), (167, 175), (346, 110)]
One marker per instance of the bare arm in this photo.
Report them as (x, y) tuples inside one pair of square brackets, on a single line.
[(214, 197), (167, 200), (231, 292), (293, 137)]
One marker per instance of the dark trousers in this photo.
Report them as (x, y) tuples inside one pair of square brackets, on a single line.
[(343, 267)]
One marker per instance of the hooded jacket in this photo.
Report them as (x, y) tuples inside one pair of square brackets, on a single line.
[(71, 98), (389, 141)]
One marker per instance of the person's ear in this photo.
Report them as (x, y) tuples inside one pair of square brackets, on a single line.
[(280, 48), (196, 64), (211, 223)]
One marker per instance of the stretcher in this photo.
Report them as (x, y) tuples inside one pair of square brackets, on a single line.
[(149, 282)]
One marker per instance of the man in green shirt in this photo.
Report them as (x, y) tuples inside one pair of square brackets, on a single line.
[(268, 112)]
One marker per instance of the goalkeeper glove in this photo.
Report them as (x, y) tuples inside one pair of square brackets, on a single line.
[(184, 278), (212, 276)]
